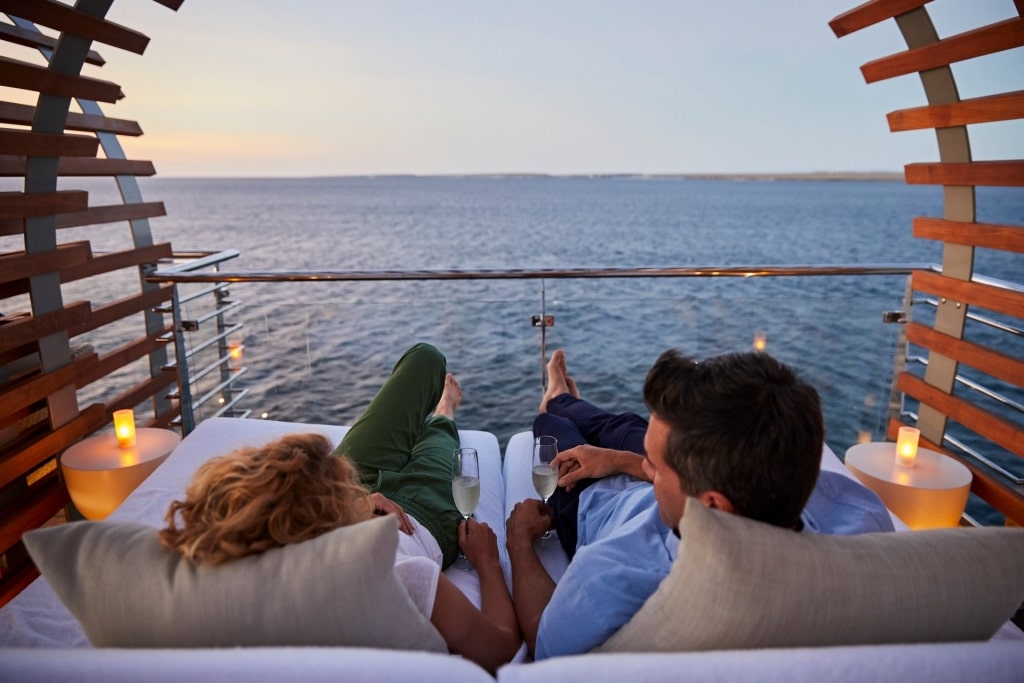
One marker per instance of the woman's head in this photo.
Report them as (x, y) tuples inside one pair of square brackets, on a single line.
[(255, 499)]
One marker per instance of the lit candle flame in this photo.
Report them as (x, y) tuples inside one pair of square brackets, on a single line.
[(124, 427), (235, 350), (760, 341), (906, 446)]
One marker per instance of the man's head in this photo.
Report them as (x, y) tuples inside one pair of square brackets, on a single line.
[(741, 426)]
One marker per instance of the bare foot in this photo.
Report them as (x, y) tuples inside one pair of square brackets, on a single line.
[(451, 397), (559, 381)]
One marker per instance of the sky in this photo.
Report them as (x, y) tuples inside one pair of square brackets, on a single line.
[(367, 87)]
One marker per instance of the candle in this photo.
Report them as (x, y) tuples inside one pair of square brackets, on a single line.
[(124, 428), (760, 341), (906, 446), (235, 350)]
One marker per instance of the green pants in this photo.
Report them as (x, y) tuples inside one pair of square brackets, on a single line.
[(404, 451)]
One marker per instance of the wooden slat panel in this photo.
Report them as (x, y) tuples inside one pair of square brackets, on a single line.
[(976, 294), (987, 40), (100, 264), (990, 426), (35, 39), (31, 329), (32, 512), (47, 145), (1002, 107), (25, 76), (171, 4), (18, 205), (94, 215), (104, 315), (990, 488), (118, 358), (871, 13), (22, 114), (19, 265), (65, 18), (26, 392), (991, 362), (994, 173), (17, 582), (164, 420), (25, 458), (986, 235), (15, 166), (141, 392)]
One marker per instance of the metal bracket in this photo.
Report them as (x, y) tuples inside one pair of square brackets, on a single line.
[(189, 325), (893, 317), (543, 321)]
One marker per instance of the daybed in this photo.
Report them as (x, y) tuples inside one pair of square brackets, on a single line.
[(42, 641)]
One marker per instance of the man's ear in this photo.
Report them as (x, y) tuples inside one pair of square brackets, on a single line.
[(716, 501)]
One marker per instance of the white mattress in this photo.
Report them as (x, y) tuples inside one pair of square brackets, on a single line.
[(37, 618)]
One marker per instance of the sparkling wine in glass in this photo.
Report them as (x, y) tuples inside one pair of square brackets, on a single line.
[(545, 477), (465, 485)]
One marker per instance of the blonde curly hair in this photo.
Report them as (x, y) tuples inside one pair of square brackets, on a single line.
[(255, 499)]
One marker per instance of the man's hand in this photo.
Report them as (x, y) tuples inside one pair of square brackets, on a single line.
[(478, 542), (591, 462), (528, 521)]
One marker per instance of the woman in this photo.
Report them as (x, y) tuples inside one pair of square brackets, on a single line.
[(396, 459)]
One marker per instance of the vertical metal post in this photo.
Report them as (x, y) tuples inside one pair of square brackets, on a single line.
[(543, 337), (188, 420)]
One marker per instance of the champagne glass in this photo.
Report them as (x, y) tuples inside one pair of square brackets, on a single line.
[(465, 487), (545, 477)]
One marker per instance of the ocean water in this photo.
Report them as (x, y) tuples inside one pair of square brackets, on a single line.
[(317, 352)]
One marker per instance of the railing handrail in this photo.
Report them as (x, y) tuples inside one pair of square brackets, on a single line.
[(174, 274)]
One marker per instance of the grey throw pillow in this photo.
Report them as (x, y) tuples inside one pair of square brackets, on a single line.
[(336, 589), (740, 584)]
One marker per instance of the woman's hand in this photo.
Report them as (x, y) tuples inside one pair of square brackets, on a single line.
[(381, 505), (478, 542)]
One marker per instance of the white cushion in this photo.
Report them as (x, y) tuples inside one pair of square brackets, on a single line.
[(336, 589), (740, 584)]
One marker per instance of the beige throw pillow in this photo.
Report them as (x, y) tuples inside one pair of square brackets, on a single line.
[(742, 584), (336, 589)]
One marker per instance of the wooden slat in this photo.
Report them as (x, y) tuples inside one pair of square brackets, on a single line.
[(973, 293), (32, 512), (141, 392), (982, 422), (26, 76), (23, 114), (1002, 107), (1002, 35), (164, 419), (94, 215), (14, 166), (979, 357), (989, 487), (97, 265), (19, 265), (986, 235), (25, 458), (992, 173), (46, 145), (118, 358), (36, 39), (31, 329), (65, 18), (17, 582), (170, 4), (104, 315), (871, 13), (26, 392), (19, 205)]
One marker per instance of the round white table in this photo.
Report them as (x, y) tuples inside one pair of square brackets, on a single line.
[(99, 474), (931, 494)]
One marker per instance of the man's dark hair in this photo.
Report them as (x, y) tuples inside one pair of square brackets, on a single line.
[(742, 424)]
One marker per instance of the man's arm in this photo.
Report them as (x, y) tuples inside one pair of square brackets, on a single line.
[(594, 462), (532, 587)]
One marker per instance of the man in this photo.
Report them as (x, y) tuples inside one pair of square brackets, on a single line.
[(740, 433)]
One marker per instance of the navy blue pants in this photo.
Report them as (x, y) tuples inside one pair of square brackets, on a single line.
[(575, 422)]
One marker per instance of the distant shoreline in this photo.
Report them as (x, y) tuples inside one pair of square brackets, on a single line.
[(836, 176)]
